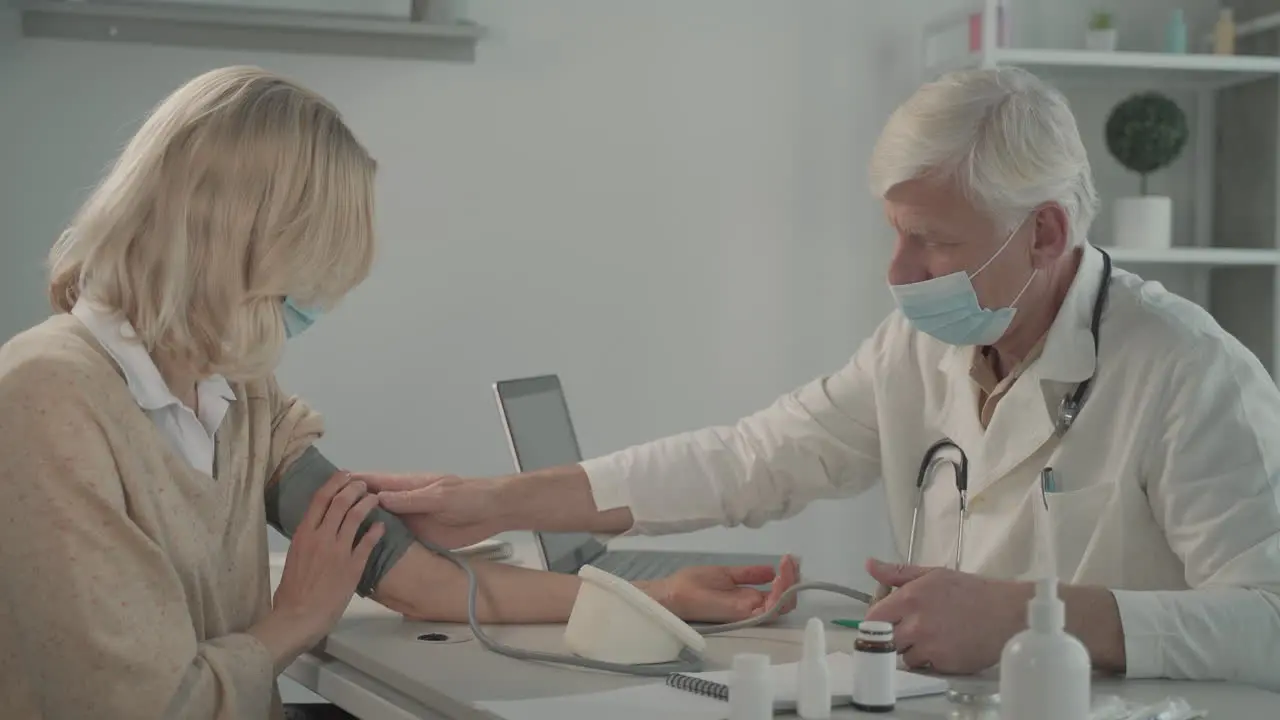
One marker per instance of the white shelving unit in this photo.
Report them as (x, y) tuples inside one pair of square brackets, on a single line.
[(1197, 72), (1230, 259), (1206, 257), (245, 27)]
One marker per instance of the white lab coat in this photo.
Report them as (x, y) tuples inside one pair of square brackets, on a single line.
[(1167, 482)]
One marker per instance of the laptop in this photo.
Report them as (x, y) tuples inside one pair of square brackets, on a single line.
[(535, 417)]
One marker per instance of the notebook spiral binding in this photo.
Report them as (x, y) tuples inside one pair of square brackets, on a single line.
[(698, 686)]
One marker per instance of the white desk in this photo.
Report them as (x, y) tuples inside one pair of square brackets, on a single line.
[(374, 666)]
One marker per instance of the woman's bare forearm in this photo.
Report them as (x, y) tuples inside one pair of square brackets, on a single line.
[(558, 499), (426, 586)]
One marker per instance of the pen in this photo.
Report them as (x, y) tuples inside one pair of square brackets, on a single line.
[(1047, 485), (847, 623)]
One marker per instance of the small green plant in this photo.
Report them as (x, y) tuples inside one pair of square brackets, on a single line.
[(1101, 20), (1146, 132)]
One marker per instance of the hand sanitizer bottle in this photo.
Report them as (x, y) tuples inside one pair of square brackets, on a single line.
[(1044, 671), (813, 698)]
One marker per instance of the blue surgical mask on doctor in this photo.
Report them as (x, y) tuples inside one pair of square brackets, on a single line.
[(947, 307), (296, 317)]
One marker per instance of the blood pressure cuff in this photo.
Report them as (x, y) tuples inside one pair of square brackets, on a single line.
[(289, 497)]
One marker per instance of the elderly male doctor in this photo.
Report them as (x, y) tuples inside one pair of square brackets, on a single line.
[(1163, 505)]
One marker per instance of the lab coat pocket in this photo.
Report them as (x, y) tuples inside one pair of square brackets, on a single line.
[(1073, 519)]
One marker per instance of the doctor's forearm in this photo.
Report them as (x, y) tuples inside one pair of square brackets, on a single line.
[(1221, 633), (558, 499), (1208, 633), (1093, 616)]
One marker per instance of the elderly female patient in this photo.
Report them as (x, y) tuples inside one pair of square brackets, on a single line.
[(145, 445)]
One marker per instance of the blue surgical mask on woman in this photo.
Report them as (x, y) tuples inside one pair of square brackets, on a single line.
[(947, 307), (297, 318)]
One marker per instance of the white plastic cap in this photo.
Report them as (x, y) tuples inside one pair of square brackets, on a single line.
[(1046, 611), (875, 630), (815, 639), (751, 688), (750, 665)]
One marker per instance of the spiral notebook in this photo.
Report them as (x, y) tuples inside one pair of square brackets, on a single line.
[(715, 684), (698, 686)]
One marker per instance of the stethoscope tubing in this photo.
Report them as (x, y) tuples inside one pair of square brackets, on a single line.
[(1068, 410), (927, 469)]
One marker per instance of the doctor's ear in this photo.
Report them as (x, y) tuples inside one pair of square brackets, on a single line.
[(1052, 235)]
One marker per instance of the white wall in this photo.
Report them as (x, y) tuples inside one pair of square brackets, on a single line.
[(662, 201)]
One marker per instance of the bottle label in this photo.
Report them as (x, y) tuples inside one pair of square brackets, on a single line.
[(873, 679)]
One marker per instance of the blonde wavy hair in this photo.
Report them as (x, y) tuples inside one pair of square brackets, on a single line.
[(239, 189)]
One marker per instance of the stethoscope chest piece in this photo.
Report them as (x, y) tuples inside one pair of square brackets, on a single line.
[(1068, 409)]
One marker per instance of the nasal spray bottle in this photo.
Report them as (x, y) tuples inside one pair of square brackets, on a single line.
[(813, 697), (1044, 671)]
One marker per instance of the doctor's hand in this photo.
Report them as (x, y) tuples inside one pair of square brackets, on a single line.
[(720, 594), (442, 509), (948, 621)]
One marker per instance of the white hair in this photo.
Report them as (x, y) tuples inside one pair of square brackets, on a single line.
[(1008, 138)]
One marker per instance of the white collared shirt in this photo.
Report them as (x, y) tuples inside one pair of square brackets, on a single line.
[(1167, 483), (192, 435)]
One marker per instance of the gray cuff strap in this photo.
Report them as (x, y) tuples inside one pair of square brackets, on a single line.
[(290, 496)]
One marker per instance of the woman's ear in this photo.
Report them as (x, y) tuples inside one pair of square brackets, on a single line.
[(1052, 233)]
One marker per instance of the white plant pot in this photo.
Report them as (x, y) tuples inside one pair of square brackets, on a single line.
[(1102, 40), (1143, 222)]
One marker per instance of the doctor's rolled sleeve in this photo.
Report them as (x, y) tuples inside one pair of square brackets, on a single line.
[(820, 441), (1214, 487)]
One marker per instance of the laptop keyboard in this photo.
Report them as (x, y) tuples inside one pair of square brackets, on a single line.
[(637, 566), (653, 565)]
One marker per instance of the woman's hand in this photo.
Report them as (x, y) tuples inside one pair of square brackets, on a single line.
[(322, 569), (719, 594)]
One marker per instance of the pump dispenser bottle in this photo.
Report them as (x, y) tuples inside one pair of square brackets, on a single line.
[(1044, 671), (813, 699)]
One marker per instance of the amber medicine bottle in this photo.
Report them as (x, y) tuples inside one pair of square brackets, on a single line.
[(875, 665)]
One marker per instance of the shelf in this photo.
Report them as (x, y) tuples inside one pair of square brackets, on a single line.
[(1203, 256), (1193, 70), (219, 26)]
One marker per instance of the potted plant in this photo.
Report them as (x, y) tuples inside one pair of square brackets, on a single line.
[(1146, 132), (1102, 32)]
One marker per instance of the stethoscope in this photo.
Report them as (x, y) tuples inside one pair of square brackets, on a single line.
[(1068, 411)]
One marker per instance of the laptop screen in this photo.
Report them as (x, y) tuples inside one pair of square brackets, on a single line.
[(542, 436)]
